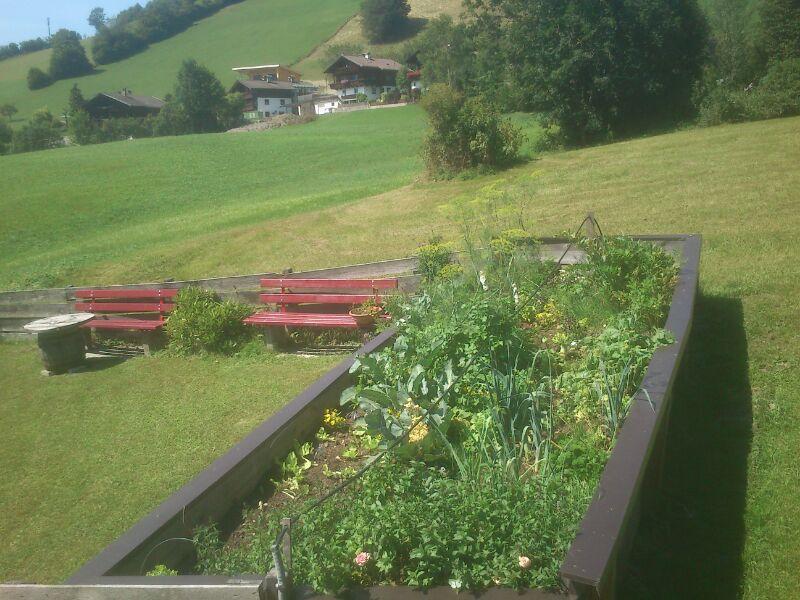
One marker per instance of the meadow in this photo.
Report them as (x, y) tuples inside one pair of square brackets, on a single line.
[(134, 210), (247, 33), (91, 453), (726, 526)]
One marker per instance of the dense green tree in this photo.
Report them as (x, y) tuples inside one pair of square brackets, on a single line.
[(201, 97), (8, 110), (76, 102), (6, 135), (38, 79), (111, 45), (83, 129), (40, 133), (733, 58), (384, 20), (446, 52), (780, 24), (597, 69), (97, 18), (68, 58), (171, 120)]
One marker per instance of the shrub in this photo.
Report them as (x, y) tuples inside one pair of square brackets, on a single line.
[(466, 133), (433, 258), (778, 93), (383, 20), (38, 79), (40, 133), (723, 105), (201, 323)]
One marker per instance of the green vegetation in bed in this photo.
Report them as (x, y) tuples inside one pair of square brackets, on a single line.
[(499, 403)]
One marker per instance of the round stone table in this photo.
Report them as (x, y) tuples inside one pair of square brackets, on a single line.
[(61, 341)]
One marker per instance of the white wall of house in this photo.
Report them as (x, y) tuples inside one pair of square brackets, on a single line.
[(274, 106), (326, 106), (371, 92)]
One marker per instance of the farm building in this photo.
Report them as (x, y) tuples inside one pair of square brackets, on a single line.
[(352, 75), (107, 105), (318, 104), (271, 90), (267, 98)]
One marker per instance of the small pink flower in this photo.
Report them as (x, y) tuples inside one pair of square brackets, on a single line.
[(362, 558), (524, 563)]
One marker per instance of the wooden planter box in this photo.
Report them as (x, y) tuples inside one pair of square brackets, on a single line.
[(589, 570)]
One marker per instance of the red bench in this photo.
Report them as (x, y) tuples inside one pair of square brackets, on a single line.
[(143, 310), (297, 299)]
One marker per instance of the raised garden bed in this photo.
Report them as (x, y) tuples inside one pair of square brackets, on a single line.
[(596, 552)]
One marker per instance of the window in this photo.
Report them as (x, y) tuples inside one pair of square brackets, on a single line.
[(283, 102)]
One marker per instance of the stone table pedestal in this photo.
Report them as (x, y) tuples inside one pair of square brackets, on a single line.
[(61, 341)]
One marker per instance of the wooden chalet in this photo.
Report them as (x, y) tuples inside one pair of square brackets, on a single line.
[(107, 105), (351, 75)]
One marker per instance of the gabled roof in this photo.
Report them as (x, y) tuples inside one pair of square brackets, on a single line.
[(258, 67), (133, 100), (382, 64), (258, 84)]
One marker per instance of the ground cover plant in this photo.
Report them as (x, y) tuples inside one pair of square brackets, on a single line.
[(497, 406)]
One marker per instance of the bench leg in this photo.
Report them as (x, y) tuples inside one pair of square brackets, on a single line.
[(277, 338), (152, 340)]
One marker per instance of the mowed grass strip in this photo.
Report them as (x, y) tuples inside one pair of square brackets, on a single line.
[(85, 456), (253, 32), (72, 212)]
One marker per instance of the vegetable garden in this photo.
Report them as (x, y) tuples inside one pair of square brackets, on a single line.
[(470, 448)]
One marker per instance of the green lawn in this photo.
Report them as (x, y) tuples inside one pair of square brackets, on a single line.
[(85, 456), (134, 210), (251, 32), (729, 520)]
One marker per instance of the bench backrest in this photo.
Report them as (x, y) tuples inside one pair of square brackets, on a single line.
[(126, 301), (325, 291)]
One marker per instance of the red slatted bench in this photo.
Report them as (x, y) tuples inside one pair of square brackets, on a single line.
[(296, 297), (142, 310)]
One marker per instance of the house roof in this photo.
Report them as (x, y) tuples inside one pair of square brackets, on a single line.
[(133, 100), (256, 67), (258, 84), (383, 64)]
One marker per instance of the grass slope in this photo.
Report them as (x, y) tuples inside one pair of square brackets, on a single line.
[(130, 210), (251, 32), (85, 456), (728, 521)]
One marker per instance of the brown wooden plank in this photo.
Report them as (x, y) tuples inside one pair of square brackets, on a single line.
[(317, 298)]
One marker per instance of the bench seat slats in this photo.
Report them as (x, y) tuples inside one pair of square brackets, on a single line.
[(123, 323), (267, 318), (352, 284), (317, 298), (123, 307), (107, 294)]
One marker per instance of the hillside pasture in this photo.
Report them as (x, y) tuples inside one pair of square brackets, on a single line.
[(132, 210), (250, 32)]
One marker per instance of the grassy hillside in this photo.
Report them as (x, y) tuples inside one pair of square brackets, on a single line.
[(84, 213), (251, 32), (728, 520)]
